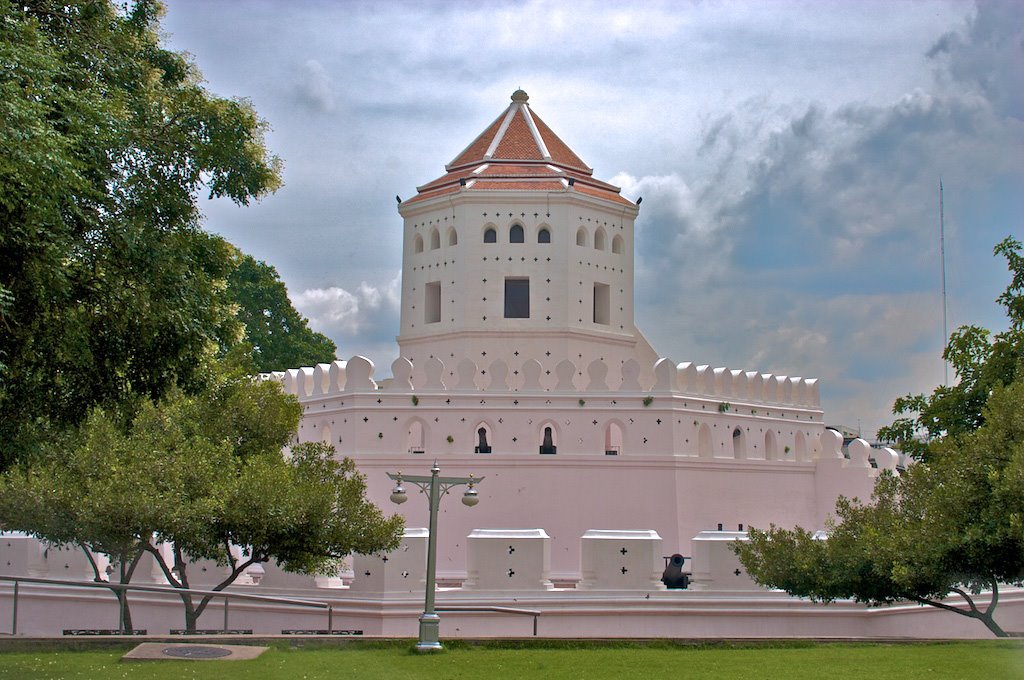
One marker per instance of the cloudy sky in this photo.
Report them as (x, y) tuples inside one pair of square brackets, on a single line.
[(788, 153)]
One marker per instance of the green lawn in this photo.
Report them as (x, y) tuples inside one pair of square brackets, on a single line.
[(988, 660)]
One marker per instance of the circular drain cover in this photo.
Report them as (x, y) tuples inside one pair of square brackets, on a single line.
[(196, 652)]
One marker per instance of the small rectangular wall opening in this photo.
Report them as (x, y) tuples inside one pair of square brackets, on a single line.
[(602, 304), (517, 298), (432, 303)]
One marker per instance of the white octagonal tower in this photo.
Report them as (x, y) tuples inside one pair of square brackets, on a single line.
[(518, 252)]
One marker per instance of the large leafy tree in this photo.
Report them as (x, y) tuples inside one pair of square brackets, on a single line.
[(981, 360), (202, 473), (954, 521), (280, 336), (109, 289)]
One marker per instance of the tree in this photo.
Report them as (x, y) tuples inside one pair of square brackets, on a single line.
[(951, 523), (109, 289), (201, 472), (981, 361), (280, 336)]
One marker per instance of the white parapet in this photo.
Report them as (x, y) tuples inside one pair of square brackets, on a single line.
[(620, 560), (508, 559), (715, 566), (270, 575), (23, 555), (402, 570), (19, 553)]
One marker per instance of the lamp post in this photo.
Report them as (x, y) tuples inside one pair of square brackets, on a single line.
[(434, 486)]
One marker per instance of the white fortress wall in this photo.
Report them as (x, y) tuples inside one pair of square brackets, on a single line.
[(700, 447)]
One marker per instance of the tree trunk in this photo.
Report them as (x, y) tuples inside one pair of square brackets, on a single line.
[(191, 615), (991, 624), (124, 610), (191, 618), (973, 613)]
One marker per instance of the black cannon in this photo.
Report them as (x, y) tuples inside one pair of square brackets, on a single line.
[(674, 577), (483, 446)]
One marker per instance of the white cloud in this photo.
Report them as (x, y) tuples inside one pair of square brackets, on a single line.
[(344, 315), (315, 86)]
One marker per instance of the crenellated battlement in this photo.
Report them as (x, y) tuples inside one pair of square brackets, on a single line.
[(686, 379), (685, 410)]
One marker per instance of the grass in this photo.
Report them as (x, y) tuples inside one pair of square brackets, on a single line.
[(990, 660)]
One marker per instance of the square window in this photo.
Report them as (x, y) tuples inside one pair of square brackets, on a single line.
[(432, 303), (517, 298), (602, 299)]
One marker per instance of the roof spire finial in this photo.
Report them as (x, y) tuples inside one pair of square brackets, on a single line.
[(520, 96)]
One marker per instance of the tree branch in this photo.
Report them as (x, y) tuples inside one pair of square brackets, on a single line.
[(231, 558), (179, 563), (236, 571), (995, 599), (92, 562), (168, 574), (970, 602), (942, 605), (131, 567)]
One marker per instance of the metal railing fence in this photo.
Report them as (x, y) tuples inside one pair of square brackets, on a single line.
[(176, 592)]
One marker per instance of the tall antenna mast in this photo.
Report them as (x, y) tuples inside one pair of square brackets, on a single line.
[(942, 254)]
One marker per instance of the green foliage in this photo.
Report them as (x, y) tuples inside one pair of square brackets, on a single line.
[(109, 289), (951, 523), (981, 360), (280, 336), (202, 472)]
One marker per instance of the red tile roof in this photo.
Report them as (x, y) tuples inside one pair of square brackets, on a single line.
[(511, 185), (521, 150), (505, 170), (478, 147), (560, 152), (518, 141)]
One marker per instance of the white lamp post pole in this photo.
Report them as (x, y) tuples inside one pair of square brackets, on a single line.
[(435, 487)]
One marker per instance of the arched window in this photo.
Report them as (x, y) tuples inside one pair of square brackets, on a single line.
[(770, 448), (544, 236), (581, 237), (453, 237), (417, 244), (490, 235), (613, 439), (515, 234), (599, 239), (739, 444), (435, 239), (704, 447), (800, 446), (617, 245), (482, 438), (415, 436), (547, 442)]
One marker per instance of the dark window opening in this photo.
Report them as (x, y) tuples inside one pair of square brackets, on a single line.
[(602, 306), (490, 236), (515, 234), (482, 445), (517, 298), (432, 303), (544, 236), (548, 444)]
